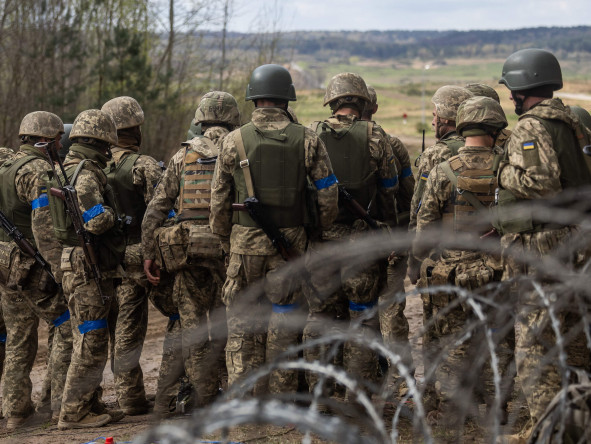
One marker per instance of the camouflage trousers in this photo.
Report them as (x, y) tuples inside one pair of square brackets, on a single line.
[(91, 335), (2, 339), (172, 366), (349, 293), (393, 323), (537, 353), (128, 324), (463, 372), (197, 294), (22, 310), (257, 330)]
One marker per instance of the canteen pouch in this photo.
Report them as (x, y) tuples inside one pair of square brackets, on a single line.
[(172, 245)]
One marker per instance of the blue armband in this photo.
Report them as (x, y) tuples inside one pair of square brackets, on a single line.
[(277, 308), (88, 215), (406, 172), (87, 326), (65, 316), (390, 182), (40, 202), (360, 307), (326, 182)]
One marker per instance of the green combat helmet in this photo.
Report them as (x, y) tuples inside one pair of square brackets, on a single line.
[(531, 68), (447, 100), (125, 111), (346, 88), (270, 82), (480, 89), (583, 115), (94, 124), (479, 116), (41, 124)]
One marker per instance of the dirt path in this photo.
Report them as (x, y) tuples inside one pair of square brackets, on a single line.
[(130, 427)]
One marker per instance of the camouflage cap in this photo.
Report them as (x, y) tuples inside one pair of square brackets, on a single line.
[(447, 99), (125, 111), (480, 115), (583, 115), (41, 124), (218, 107), (480, 89), (95, 124), (346, 85)]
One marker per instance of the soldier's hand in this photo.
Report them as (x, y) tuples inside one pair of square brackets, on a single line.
[(152, 271), (414, 270)]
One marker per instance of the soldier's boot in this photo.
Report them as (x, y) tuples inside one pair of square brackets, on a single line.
[(138, 408), (89, 421), (14, 422)]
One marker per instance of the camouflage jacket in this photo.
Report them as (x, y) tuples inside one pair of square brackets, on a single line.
[(31, 189), (167, 191), (432, 156), (90, 186), (525, 178), (252, 240), (382, 163), (439, 190)]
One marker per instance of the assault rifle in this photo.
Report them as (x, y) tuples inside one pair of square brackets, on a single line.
[(278, 239), (23, 243), (68, 194), (355, 208)]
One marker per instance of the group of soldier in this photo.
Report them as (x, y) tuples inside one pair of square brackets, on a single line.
[(208, 238)]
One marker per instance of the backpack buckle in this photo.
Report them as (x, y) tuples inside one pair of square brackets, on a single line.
[(244, 163)]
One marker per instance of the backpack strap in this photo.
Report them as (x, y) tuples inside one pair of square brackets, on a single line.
[(244, 164), (77, 171), (468, 195)]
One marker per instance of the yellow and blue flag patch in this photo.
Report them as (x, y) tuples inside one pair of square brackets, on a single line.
[(531, 145)]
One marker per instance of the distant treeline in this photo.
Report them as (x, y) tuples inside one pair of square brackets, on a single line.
[(322, 45)]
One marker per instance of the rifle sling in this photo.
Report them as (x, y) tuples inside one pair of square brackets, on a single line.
[(468, 195), (244, 165)]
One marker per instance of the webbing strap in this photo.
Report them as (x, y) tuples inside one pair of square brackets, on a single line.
[(468, 195), (244, 165)]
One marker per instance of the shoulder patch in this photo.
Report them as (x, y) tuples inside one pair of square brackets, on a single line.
[(529, 145)]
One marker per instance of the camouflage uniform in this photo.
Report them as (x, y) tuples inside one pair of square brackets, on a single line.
[(253, 257), (197, 286), (358, 289), (89, 311), (534, 170), (33, 295), (438, 197)]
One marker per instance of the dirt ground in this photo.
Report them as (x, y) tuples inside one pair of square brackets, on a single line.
[(131, 427)]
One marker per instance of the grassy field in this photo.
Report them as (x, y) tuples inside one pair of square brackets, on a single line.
[(400, 84)]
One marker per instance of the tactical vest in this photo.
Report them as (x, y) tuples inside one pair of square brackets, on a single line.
[(573, 173), (132, 206), (276, 160), (195, 186), (110, 244), (473, 191), (15, 210), (348, 150)]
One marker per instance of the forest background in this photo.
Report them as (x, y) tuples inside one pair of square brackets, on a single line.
[(66, 56)]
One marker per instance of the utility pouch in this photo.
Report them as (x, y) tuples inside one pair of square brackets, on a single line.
[(172, 245), (8, 252), (505, 220), (203, 244), (443, 273), (473, 275)]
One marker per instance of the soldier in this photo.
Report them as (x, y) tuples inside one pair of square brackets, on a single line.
[(267, 159), (393, 322), (456, 191), (131, 175), (364, 164), (480, 89), (200, 272), (30, 293), (446, 101), (93, 131), (543, 157)]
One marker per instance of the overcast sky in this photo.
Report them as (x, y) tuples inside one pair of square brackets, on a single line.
[(408, 14)]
